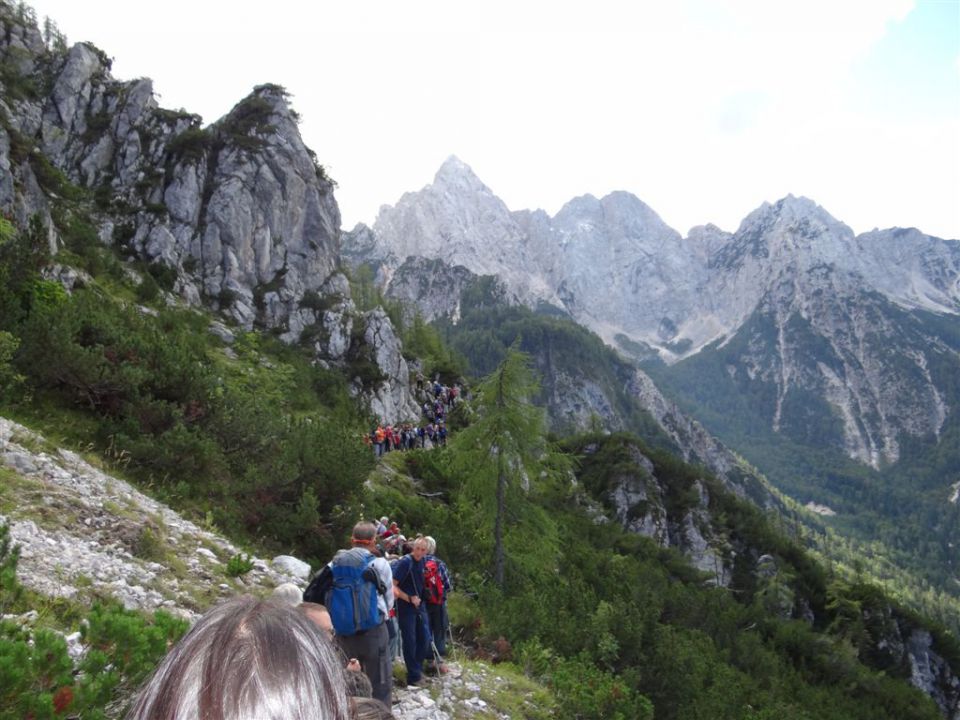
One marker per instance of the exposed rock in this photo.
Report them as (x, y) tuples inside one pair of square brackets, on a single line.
[(931, 673), (289, 565), (82, 531), (390, 400)]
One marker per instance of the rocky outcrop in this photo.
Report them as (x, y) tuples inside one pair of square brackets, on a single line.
[(241, 209), (637, 499), (239, 213), (83, 532), (390, 400), (931, 673), (697, 445)]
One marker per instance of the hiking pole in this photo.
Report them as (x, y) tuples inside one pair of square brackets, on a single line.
[(436, 658)]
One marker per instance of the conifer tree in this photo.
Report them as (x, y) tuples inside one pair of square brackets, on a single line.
[(503, 454)]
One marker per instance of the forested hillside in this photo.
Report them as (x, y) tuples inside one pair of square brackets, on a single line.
[(238, 387)]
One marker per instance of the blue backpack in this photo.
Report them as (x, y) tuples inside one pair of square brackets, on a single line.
[(352, 597)]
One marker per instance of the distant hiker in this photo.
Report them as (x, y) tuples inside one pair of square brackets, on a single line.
[(357, 589), (382, 526), (247, 658), (379, 437), (437, 587), (411, 611)]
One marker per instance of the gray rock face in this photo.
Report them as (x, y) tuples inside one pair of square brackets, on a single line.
[(931, 673), (430, 286), (391, 400), (240, 209)]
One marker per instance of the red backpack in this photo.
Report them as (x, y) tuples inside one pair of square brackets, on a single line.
[(432, 583)]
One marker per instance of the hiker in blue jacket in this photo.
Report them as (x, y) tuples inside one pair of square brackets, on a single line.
[(411, 610)]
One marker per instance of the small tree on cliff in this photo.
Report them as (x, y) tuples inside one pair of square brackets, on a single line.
[(501, 457)]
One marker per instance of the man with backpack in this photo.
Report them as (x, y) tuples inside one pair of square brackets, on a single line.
[(356, 587), (411, 610), (437, 586)]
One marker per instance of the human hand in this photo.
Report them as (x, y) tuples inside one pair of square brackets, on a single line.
[(353, 665), (415, 600)]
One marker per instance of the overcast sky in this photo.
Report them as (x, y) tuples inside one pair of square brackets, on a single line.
[(702, 109)]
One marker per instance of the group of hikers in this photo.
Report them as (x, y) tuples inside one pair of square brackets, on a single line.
[(437, 401), (387, 597), (326, 652), (389, 438)]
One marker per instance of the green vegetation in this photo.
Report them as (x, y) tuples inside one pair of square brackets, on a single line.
[(895, 523), (239, 565), (254, 440), (38, 679), (613, 623), (499, 454), (560, 349)]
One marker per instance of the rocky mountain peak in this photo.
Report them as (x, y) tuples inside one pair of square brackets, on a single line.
[(800, 216), (456, 175)]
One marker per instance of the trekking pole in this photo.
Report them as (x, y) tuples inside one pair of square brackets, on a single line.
[(436, 658)]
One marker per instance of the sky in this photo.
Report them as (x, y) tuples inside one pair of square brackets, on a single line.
[(703, 109)]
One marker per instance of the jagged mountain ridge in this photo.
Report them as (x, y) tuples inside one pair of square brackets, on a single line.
[(615, 267), (240, 213)]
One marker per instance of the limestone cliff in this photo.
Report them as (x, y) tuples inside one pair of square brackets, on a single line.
[(240, 213)]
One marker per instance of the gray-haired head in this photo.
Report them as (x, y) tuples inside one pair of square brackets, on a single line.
[(287, 594), (431, 545), (247, 659), (364, 533)]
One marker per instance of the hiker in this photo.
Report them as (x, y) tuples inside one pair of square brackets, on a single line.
[(247, 659), (356, 587), (411, 613), (358, 684), (437, 586)]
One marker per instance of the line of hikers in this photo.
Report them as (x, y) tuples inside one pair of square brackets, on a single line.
[(386, 597), (438, 399), (389, 438)]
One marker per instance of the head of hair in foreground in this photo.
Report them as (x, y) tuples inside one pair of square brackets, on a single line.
[(247, 659)]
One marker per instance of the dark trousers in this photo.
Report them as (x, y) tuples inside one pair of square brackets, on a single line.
[(415, 637), (371, 649), (437, 615)]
